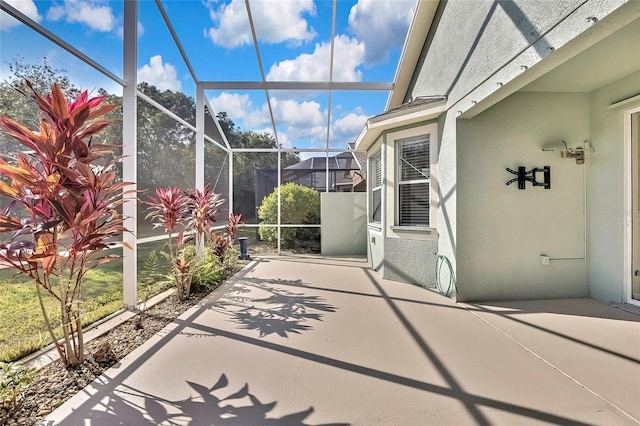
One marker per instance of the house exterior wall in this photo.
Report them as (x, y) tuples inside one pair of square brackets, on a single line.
[(502, 231), (473, 55), (410, 260), (344, 223), (397, 253), (409, 254), (474, 39), (447, 213), (481, 58), (606, 190)]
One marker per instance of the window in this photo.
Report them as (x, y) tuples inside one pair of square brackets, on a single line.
[(414, 180), (375, 212)]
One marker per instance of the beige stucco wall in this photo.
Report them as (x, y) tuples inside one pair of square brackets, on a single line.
[(502, 231)]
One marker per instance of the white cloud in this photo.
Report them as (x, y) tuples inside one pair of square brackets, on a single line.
[(96, 14), (294, 113), (300, 123), (162, 76), (26, 7), (349, 125), (239, 107), (381, 25), (348, 56), (283, 139), (275, 22)]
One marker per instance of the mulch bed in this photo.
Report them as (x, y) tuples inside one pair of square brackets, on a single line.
[(55, 384)]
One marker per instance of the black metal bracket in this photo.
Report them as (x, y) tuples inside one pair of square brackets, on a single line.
[(523, 177)]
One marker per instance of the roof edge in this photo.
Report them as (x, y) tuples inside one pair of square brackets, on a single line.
[(408, 115), (425, 11)]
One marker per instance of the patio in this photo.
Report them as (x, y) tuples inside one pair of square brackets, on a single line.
[(312, 340)]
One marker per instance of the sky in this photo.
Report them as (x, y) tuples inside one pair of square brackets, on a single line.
[(294, 41)]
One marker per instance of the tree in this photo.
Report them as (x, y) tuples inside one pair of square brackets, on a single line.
[(299, 205), (246, 164), (69, 205), (14, 99), (166, 149)]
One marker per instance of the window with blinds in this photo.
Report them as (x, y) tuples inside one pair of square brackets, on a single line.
[(413, 181), (375, 211)]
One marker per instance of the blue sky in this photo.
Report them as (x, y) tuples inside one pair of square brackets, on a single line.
[(294, 38)]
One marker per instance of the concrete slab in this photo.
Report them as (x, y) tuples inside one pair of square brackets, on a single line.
[(596, 345), (309, 340)]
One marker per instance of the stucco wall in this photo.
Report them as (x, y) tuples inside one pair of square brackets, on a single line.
[(605, 184), (447, 188), (411, 261), (502, 231), (462, 53), (344, 223)]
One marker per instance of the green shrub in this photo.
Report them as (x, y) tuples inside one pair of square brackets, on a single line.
[(207, 271), (13, 380), (299, 205)]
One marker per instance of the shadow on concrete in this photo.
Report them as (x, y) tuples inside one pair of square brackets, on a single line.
[(457, 393), (266, 307), (594, 309), (214, 405)]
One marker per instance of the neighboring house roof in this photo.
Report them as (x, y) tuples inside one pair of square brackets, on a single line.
[(420, 109), (343, 162)]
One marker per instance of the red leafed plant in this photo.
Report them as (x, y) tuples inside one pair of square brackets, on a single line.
[(195, 211), (221, 243), (202, 208), (168, 209), (62, 199)]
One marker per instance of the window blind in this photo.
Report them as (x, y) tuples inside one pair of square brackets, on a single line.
[(414, 204), (413, 181), (414, 159), (376, 189)]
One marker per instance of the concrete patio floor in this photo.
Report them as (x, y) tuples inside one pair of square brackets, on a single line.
[(310, 341)]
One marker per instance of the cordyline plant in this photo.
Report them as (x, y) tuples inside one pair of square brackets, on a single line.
[(168, 209), (193, 211), (221, 243), (63, 197), (202, 208)]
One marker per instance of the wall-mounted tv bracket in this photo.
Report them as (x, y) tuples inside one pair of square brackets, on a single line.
[(522, 177)]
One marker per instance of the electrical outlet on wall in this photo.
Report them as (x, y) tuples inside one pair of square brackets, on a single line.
[(544, 259)]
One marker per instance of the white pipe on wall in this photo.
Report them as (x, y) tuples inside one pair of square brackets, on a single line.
[(584, 215)]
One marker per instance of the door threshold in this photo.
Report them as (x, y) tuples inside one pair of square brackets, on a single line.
[(630, 307)]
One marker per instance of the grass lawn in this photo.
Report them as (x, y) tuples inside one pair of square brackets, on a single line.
[(22, 328)]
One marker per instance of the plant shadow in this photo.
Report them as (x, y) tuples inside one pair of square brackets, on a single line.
[(268, 308), (215, 405)]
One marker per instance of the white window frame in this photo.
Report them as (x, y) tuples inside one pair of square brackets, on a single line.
[(376, 187), (427, 138)]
